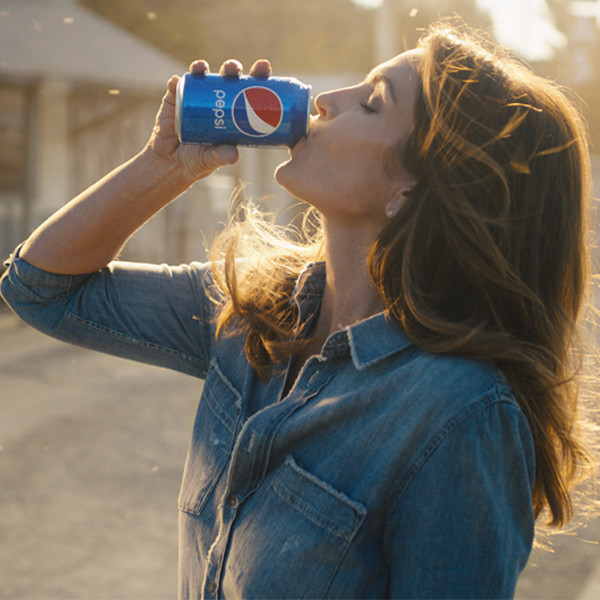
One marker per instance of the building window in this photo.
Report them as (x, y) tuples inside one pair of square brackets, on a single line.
[(14, 118)]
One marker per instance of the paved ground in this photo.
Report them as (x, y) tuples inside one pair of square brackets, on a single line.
[(91, 458), (91, 453)]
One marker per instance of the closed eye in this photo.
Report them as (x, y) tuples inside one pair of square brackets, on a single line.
[(364, 104)]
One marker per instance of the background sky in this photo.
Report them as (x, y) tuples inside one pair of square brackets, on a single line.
[(524, 25)]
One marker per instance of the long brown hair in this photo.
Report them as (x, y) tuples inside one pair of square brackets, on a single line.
[(486, 259)]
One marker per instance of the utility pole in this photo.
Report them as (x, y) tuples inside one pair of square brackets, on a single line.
[(586, 8), (386, 30), (583, 35)]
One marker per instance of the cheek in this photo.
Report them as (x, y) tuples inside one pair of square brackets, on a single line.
[(337, 166)]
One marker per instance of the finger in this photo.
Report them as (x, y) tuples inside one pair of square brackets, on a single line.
[(172, 85), (231, 68), (199, 67), (261, 68)]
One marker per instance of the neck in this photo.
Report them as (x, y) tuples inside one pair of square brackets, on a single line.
[(350, 294)]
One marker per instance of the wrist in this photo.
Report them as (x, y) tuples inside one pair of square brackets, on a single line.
[(164, 170)]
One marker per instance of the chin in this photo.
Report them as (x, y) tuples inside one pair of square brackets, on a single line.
[(292, 177), (284, 176)]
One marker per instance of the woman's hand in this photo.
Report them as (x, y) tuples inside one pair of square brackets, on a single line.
[(197, 160)]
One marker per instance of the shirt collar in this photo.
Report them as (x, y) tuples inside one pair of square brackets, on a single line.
[(374, 339), (368, 341)]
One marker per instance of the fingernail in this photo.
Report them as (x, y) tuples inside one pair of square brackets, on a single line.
[(228, 154)]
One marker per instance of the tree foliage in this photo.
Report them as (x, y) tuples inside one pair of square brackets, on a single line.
[(578, 64), (298, 36)]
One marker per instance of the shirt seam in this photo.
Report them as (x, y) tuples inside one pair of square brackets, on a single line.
[(491, 398), (69, 314)]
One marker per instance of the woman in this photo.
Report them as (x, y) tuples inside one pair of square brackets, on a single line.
[(387, 406)]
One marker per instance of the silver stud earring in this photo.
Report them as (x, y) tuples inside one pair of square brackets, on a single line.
[(392, 207)]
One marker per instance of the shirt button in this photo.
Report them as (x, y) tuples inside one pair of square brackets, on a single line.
[(232, 501), (211, 587)]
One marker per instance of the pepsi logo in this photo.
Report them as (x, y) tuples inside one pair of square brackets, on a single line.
[(257, 111)]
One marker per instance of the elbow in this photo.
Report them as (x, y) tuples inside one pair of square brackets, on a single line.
[(37, 298)]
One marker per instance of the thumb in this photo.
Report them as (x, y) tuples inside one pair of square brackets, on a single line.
[(200, 161), (225, 154)]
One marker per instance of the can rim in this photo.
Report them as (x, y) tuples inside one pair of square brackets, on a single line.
[(178, 103)]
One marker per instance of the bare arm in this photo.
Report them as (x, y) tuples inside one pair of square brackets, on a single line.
[(89, 231)]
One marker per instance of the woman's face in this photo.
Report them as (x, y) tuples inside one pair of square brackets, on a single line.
[(340, 167)]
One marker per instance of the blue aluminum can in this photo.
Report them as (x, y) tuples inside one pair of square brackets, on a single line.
[(246, 111)]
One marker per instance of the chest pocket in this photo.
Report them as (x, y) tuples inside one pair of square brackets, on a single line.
[(212, 441), (292, 537)]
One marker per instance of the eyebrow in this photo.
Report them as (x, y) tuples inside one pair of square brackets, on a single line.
[(379, 78)]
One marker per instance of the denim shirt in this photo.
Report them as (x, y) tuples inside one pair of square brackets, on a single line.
[(384, 472)]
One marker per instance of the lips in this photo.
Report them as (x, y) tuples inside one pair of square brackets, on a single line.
[(311, 128), (301, 142)]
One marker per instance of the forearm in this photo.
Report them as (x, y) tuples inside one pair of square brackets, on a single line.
[(89, 231)]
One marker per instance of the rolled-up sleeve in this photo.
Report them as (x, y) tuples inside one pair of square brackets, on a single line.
[(157, 314), (463, 526)]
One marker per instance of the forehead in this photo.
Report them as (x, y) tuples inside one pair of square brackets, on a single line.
[(400, 72), (402, 82)]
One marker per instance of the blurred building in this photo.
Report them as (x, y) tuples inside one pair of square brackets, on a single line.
[(77, 97)]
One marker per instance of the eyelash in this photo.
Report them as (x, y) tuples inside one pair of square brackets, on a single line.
[(364, 104)]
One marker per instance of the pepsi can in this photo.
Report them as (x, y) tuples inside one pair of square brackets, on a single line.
[(246, 111)]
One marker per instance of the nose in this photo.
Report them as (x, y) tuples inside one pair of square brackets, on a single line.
[(330, 104), (324, 104)]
